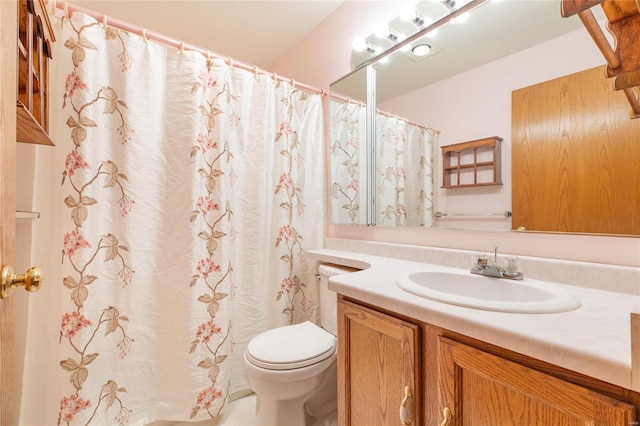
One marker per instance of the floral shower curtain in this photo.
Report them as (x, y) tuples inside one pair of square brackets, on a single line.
[(186, 192), (404, 172)]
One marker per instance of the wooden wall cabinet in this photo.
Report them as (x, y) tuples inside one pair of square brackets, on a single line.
[(459, 381), (35, 38), (473, 163)]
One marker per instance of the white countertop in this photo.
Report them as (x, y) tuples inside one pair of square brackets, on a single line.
[(594, 339)]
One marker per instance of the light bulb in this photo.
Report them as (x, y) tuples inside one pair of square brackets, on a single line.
[(359, 44), (382, 31), (408, 13)]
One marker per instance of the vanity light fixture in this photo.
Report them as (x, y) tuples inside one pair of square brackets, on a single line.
[(421, 49)]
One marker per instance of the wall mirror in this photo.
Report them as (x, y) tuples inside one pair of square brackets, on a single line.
[(462, 90)]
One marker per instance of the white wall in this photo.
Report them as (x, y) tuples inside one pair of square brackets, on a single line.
[(324, 56)]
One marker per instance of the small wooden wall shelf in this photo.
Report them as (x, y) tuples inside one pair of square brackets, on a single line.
[(35, 38), (473, 163)]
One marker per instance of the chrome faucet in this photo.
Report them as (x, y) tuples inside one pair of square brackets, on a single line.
[(483, 266)]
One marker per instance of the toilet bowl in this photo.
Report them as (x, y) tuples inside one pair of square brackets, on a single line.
[(292, 369)]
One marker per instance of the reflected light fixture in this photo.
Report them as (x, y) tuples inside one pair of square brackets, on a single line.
[(384, 31), (421, 49), (412, 15), (449, 4), (362, 45)]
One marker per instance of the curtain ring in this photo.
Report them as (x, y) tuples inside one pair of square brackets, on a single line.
[(181, 50), (104, 21), (255, 71), (231, 65), (66, 10), (293, 83), (208, 55), (322, 93), (274, 76), (144, 35)]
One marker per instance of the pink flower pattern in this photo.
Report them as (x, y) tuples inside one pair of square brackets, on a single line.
[(207, 397), (285, 180), (73, 241), (286, 285), (206, 266), (71, 405), (285, 232), (207, 80), (73, 162), (72, 323), (126, 205), (206, 142), (206, 331), (125, 346), (206, 204), (73, 83), (126, 133)]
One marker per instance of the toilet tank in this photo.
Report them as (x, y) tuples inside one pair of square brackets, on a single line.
[(328, 298)]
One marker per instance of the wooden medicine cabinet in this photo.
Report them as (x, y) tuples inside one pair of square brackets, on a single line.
[(472, 163), (35, 38)]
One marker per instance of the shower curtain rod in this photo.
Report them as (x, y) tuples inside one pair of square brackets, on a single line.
[(347, 99), (413, 123), (69, 8)]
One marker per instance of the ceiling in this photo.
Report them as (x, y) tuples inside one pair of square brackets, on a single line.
[(256, 32)]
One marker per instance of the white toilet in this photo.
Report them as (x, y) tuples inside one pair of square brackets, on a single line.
[(292, 369)]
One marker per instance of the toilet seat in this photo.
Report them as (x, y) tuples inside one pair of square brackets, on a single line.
[(291, 347)]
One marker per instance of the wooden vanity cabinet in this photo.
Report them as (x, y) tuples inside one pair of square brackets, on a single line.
[(481, 389), (479, 384), (378, 368)]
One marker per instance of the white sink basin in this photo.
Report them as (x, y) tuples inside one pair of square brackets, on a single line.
[(488, 293)]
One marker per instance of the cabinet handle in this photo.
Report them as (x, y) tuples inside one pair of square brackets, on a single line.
[(403, 407), (446, 413)]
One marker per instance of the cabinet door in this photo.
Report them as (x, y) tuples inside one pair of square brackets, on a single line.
[(485, 390), (378, 359)]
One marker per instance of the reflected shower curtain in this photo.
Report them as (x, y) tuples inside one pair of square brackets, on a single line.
[(404, 172), (184, 195), (348, 162)]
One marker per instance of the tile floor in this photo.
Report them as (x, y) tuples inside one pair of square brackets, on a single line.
[(241, 412)]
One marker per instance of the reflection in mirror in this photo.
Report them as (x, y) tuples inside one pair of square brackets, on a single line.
[(404, 171), (348, 97), (465, 91)]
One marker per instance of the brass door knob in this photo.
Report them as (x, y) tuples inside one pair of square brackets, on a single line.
[(30, 280)]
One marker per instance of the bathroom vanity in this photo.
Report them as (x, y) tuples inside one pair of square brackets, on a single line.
[(426, 362)]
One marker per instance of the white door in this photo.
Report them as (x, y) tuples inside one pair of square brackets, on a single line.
[(8, 42)]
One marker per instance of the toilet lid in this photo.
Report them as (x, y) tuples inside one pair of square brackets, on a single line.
[(292, 346)]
